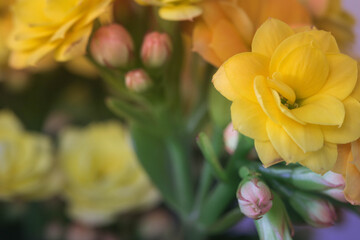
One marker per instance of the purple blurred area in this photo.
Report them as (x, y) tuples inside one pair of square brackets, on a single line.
[(353, 6)]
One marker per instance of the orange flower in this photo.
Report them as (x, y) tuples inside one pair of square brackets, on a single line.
[(227, 27), (348, 163)]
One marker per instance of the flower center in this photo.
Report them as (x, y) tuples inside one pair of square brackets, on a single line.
[(287, 104)]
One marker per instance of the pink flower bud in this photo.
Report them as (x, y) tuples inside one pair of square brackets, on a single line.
[(231, 139), (137, 80), (305, 179), (156, 49), (336, 193), (112, 46), (254, 198), (315, 211)]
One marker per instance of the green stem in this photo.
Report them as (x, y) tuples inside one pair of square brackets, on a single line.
[(204, 185), (182, 176), (216, 203), (229, 220)]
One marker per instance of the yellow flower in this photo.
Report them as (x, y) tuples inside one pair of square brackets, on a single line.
[(292, 95), (175, 10), (102, 175), (26, 162), (5, 28), (59, 26)]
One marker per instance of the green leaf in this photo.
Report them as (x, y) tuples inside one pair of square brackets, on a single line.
[(150, 150)]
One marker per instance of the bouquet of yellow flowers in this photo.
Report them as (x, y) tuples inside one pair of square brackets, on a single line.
[(181, 119)]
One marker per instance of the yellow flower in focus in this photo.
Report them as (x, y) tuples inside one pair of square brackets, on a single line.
[(26, 162), (175, 10), (59, 26), (227, 27), (102, 175), (292, 95)]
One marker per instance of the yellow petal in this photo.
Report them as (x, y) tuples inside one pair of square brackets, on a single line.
[(249, 119), (321, 109), (180, 12), (269, 35), (222, 84), (305, 70), (74, 44), (323, 40), (350, 130), (241, 70), (308, 137), (267, 153), (280, 87), (352, 179), (342, 76), (322, 160), (283, 144), (266, 99), (287, 112), (57, 10)]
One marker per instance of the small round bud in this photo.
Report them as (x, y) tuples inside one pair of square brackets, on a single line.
[(137, 80), (315, 211), (231, 139), (254, 198), (156, 49), (112, 46)]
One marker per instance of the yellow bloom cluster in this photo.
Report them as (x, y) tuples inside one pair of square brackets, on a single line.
[(26, 162), (175, 10), (5, 28), (59, 26), (102, 175), (292, 94)]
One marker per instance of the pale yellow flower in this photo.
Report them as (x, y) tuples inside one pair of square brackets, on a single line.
[(26, 162), (292, 95), (175, 10), (102, 175), (61, 27), (5, 28)]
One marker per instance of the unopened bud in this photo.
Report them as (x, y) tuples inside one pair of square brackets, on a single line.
[(112, 46), (336, 193), (231, 139), (156, 49), (305, 179), (315, 211), (254, 197), (137, 80)]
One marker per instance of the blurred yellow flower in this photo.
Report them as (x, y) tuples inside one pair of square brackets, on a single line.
[(227, 27), (175, 10), (292, 95), (59, 26), (330, 16), (26, 162), (5, 28), (102, 175)]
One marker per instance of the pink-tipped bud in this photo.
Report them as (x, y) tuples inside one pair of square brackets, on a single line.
[(254, 198), (137, 80), (305, 179), (336, 193), (112, 46), (156, 49), (231, 139), (315, 211)]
